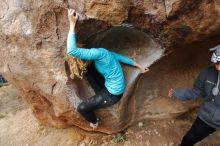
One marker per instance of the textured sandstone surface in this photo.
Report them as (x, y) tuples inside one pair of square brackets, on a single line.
[(33, 36)]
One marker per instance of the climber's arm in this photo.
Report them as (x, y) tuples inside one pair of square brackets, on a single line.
[(72, 50)]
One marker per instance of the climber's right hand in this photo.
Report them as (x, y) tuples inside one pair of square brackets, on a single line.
[(170, 93), (73, 16)]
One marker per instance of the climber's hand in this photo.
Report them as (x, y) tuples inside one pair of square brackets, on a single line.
[(170, 93), (142, 69), (73, 16)]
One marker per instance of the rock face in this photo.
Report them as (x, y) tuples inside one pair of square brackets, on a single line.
[(33, 36), (173, 21)]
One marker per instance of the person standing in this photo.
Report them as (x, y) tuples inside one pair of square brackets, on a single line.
[(207, 87)]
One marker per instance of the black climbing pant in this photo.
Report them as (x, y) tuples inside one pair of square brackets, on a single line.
[(101, 99), (198, 132)]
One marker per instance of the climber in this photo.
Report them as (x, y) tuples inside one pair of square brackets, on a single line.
[(105, 70), (206, 86)]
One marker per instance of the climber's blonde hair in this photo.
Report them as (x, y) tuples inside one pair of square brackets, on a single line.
[(77, 66)]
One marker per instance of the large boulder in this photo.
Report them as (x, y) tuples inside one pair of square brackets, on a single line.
[(33, 37), (33, 60)]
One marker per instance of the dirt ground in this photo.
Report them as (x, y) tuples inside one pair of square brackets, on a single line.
[(18, 127)]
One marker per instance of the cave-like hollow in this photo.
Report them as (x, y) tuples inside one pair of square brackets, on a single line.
[(147, 93), (124, 40)]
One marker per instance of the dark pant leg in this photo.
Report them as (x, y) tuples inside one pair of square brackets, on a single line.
[(95, 79), (198, 132), (100, 100)]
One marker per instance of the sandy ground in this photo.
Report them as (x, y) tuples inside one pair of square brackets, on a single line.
[(18, 127)]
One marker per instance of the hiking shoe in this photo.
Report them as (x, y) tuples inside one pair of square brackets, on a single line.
[(94, 126)]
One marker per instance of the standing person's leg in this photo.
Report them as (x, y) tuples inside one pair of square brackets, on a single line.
[(198, 131), (100, 100), (95, 79)]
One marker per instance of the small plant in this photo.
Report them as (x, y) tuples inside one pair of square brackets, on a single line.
[(183, 25), (119, 138), (40, 129), (1, 116)]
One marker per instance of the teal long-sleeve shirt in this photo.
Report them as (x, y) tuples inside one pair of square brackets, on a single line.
[(106, 62)]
